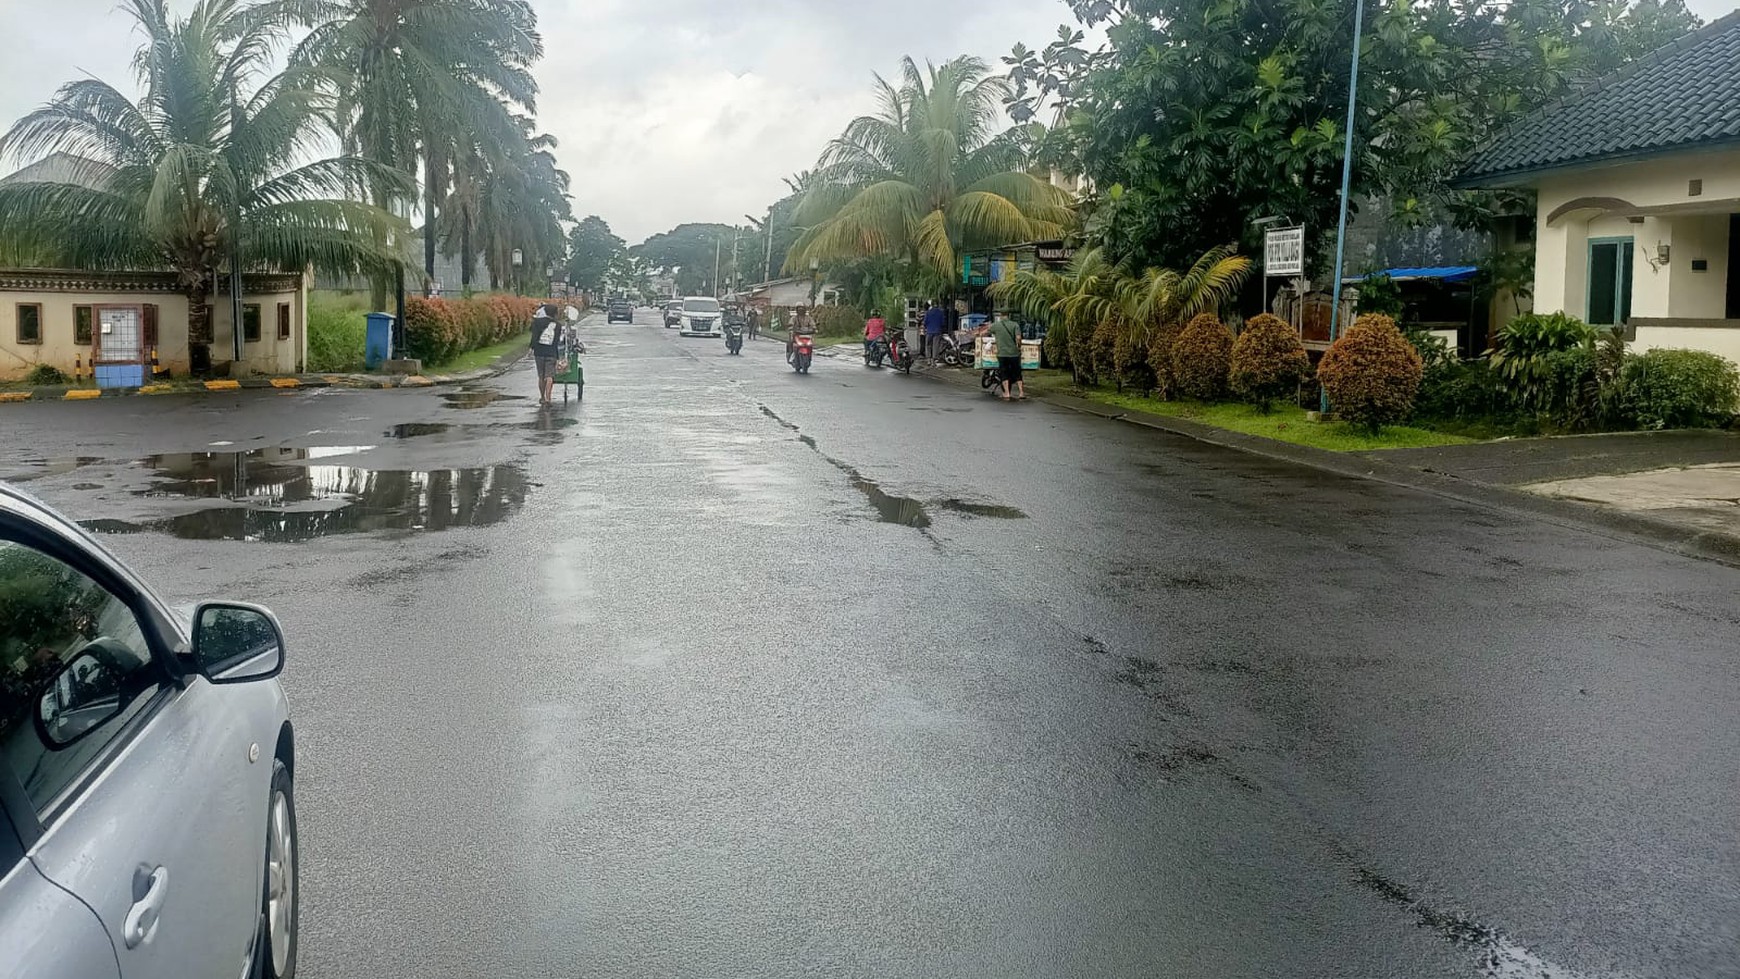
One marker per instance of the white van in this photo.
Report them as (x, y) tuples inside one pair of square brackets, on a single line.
[(702, 317)]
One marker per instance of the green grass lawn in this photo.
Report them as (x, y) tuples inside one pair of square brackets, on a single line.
[(1285, 423), (481, 357), (335, 331)]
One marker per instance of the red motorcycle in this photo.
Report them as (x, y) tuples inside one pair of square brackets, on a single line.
[(803, 351)]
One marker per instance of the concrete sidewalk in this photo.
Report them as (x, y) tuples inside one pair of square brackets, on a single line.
[(292, 381)]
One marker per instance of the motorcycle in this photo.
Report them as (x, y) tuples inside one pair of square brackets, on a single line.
[(899, 354), (733, 338), (956, 353), (802, 353), (876, 351)]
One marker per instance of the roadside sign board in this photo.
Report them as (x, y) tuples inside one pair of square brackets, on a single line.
[(1284, 252)]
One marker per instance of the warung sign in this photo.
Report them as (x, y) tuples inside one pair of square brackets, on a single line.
[(1284, 252)]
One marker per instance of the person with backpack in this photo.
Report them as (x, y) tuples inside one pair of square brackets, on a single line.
[(546, 350)]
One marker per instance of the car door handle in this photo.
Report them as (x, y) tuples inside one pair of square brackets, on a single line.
[(142, 917)]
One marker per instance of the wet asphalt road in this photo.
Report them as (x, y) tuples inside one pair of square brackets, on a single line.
[(731, 672)]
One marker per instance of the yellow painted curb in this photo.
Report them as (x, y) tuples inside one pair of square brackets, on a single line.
[(157, 389), (416, 381), (223, 385), (83, 394), (286, 382), (14, 396)]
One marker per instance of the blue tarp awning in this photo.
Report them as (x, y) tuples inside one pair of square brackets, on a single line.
[(1443, 273)]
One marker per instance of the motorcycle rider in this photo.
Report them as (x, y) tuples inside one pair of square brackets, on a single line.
[(875, 328), (800, 326)]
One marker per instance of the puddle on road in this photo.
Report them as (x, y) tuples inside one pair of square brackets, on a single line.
[(277, 495), (477, 397), (40, 468), (902, 510), (993, 510), (411, 430)]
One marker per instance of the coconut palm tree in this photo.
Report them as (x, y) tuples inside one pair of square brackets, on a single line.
[(523, 203), (211, 166), (926, 177), (420, 81)]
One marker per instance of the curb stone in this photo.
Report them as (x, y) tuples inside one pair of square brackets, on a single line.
[(1635, 528), (293, 382)]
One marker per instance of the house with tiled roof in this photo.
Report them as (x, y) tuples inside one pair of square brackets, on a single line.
[(1638, 181)]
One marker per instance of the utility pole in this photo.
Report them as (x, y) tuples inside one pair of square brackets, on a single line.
[(718, 245), (735, 234)]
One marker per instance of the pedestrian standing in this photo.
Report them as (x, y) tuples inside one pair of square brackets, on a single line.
[(1007, 336), (935, 321), (546, 348)]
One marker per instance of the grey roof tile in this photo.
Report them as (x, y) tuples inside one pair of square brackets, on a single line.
[(1684, 95)]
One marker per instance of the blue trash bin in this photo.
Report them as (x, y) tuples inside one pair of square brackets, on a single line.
[(378, 340)]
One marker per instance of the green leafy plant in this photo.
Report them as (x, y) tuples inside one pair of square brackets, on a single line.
[(1380, 294), (1522, 351), (1371, 373), (1679, 389), (45, 374), (1268, 361), (1201, 358)]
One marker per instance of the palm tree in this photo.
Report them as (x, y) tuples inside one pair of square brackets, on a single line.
[(523, 203), (421, 81), (196, 174), (926, 177), (1096, 299)]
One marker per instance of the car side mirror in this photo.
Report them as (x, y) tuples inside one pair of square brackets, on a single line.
[(234, 642), (87, 692)]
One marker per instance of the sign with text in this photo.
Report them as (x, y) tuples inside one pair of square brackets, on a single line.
[(1284, 252)]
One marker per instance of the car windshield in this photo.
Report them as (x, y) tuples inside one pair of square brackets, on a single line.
[(701, 306)]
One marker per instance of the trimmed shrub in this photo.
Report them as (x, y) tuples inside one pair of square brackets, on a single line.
[(1456, 391), (1268, 361), (1130, 358), (1201, 358), (1055, 348), (1371, 373), (838, 321), (1679, 389), (438, 330), (1081, 353), (1160, 342), (1105, 350)]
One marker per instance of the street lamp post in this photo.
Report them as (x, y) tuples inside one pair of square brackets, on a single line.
[(1346, 175)]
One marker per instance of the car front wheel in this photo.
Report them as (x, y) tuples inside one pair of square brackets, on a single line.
[(282, 898)]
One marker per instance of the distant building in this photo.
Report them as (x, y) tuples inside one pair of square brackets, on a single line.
[(68, 318), (1637, 223)]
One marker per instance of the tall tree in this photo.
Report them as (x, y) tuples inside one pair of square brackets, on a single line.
[(926, 177), (421, 81), (1205, 116), (594, 253), (212, 161), (523, 207)]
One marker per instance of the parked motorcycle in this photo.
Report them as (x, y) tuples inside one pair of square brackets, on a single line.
[(733, 337), (900, 355), (803, 352)]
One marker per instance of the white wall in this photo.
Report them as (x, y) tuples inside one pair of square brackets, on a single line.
[(1561, 249), (1720, 341)]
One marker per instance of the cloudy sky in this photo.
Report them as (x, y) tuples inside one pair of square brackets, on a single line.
[(672, 111)]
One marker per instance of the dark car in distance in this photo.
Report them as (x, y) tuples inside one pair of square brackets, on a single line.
[(619, 309)]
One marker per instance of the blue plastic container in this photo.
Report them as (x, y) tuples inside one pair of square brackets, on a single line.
[(378, 340)]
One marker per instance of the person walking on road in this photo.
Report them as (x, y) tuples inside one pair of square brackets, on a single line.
[(1007, 336), (936, 319), (546, 348)]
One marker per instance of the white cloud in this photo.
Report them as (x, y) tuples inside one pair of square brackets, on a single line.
[(672, 111)]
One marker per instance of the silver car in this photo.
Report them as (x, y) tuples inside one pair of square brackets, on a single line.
[(147, 815)]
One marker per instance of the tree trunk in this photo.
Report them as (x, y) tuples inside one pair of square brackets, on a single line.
[(199, 327), (428, 212), (465, 264)]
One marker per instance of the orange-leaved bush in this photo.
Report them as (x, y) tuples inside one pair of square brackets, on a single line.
[(1201, 356), (1268, 361), (1371, 373)]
